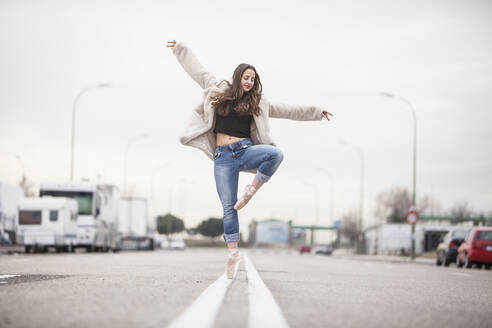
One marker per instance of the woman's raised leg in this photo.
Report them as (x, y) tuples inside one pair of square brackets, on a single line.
[(266, 159)]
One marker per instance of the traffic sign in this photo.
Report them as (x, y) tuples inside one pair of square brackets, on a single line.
[(412, 216)]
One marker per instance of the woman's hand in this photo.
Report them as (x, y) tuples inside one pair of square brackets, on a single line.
[(171, 44), (326, 114)]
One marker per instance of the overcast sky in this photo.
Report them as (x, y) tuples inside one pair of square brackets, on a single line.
[(336, 54)]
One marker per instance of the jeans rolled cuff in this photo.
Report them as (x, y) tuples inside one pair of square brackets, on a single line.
[(262, 177), (231, 238)]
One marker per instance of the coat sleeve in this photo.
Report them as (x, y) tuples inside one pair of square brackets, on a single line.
[(295, 112), (192, 66)]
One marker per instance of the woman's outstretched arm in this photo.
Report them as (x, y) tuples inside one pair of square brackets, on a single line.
[(298, 112), (191, 65)]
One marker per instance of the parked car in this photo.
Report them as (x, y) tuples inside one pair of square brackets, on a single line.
[(178, 244), (323, 249), (161, 241), (448, 247), (476, 249), (164, 243), (305, 249)]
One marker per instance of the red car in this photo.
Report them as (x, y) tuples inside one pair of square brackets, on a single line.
[(305, 249), (476, 249)]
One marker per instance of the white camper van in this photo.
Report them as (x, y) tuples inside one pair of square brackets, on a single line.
[(98, 212), (47, 222)]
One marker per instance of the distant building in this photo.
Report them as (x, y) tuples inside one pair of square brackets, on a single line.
[(268, 232)]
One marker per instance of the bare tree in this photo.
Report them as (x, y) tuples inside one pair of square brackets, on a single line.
[(460, 212), (482, 219), (393, 204), (350, 227), (434, 207)]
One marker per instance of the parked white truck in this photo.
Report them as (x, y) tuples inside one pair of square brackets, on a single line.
[(134, 224), (47, 222), (9, 199), (97, 223)]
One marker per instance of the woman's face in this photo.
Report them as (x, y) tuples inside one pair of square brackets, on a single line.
[(248, 80)]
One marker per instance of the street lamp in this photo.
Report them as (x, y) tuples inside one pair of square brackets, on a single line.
[(361, 197), (102, 85), (332, 194), (132, 139), (390, 95)]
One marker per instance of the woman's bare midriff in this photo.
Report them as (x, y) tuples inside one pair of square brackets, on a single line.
[(225, 139)]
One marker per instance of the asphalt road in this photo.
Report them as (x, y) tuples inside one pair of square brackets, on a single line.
[(152, 289)]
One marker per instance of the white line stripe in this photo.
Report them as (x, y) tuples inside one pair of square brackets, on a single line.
[(263, 310), (461, 274), (4, 276), (203, 311)]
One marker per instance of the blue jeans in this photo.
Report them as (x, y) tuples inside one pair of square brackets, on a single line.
[(228, 162)]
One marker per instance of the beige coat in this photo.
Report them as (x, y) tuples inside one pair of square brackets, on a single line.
[(199, 130)]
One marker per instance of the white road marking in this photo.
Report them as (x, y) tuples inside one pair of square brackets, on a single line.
[(204, 310), (461, 274), (263, 310), (5, 276)]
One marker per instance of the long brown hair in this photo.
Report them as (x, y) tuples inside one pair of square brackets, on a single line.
[(246, 102)]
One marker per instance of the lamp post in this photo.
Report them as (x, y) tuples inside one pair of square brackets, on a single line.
[(125, 166), (393, 96), (361, 189), (74, 107)]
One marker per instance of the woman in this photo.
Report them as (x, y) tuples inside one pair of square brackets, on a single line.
[(231, 127)]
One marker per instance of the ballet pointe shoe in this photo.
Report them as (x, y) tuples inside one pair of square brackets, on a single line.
[(232, 262), (249, 191)]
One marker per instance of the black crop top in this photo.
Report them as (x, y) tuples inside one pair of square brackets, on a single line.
[(234, 124)]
